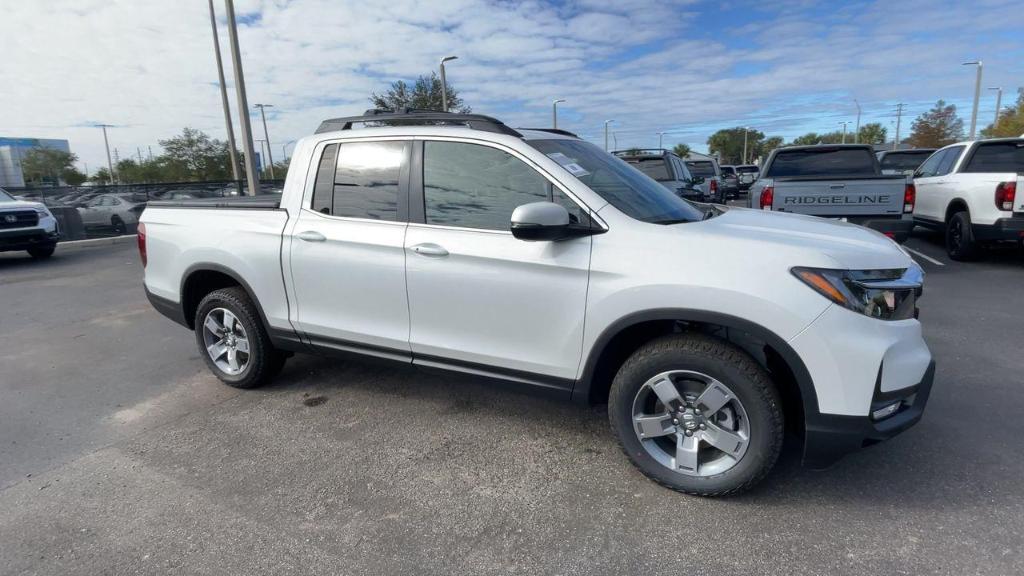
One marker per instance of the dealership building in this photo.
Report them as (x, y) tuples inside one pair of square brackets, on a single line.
[(12, 150)]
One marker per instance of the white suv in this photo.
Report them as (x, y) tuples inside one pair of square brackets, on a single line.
[(533, 257)]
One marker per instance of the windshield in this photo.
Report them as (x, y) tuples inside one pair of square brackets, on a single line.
[(654, 167), (905, 161), (701, 168), (627, 189), (5, 197), (823, 161), (728, 171), (998, 157)]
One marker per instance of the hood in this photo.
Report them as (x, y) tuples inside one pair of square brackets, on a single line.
[(849, 246), (20, 205)]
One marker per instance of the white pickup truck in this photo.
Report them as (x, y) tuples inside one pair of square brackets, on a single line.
[(27, 226), (974, 193), (452, 241)]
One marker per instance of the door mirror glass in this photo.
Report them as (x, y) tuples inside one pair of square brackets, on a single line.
[(543, 221)]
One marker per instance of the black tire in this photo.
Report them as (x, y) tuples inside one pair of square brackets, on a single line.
[(725, 363), (264, 361), (119, 226), (960, 243), (42, 252)]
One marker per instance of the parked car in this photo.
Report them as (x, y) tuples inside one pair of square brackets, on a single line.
[(536, 258), (110, 211), (27, 226), (902, 161), (841, 181), (974, 193), (730, 181), (747, 173), (711, 178), (666, 168)]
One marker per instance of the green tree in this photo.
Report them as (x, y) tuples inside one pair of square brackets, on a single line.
[(872, 133), (681, 150), (767, 146), (102, 176), (72, 176), (194, 156), (47, 165), (1011, 121), (806, 139), (728, 144), (424, 94), (937, 127)]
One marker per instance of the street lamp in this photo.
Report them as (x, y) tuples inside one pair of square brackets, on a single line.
[(999, 102), (270, 157), (243, 103), (856, 131), (745, 130), (977, 95), (262, 142), (606, 123), (554, 112), (284, 148), (444, 83), (660, 136), (232, 151), (110, 165), (844, 123)]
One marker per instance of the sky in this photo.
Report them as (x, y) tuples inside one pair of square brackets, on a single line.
[(682, 67)]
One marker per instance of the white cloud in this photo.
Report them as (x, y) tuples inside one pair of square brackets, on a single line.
[(148, 68)]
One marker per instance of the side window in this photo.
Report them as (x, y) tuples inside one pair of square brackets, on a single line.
[(577, 215), (931, 165), (359, 180), (473, 186), (949, 160)]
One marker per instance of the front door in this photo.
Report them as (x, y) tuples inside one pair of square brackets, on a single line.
[(480, 299), (347, 256)]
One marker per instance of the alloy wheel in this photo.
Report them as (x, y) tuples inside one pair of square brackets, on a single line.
[(226, 341)]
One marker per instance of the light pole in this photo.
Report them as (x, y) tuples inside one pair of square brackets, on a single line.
[(270, 156), (660, 137), (110, 165), (606, 123), (554, 112), (977, 95), (232, 151), (899, 117), (999, 102), (251, 176), (615, 140), (284, 149), (444, 83), (856, 131), (262, 157), (844, 123), (746, 129)]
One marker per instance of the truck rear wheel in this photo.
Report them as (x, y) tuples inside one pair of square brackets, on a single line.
[(233, 341), (42, 252), (960, 242), (697, 415)]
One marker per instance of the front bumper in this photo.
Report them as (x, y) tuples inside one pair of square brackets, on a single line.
[(1002, 229), (25, 238), (829, 437), (898, 229)]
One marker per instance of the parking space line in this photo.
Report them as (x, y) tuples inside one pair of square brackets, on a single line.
[(925, 256)]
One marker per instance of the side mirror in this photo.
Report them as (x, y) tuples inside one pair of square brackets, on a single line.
[(544, 221)]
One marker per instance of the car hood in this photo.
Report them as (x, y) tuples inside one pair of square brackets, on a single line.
[(19, 205), (847, 245)]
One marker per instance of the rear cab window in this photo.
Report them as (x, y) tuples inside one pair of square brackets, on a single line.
[(823, 161), (904, 161), (1007, 156), (653, 166), (701, 168), (361, 179)]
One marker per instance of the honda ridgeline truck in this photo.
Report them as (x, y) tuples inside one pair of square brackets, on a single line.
[(454, 242), (973, 192), (841, 181), (27, 226)]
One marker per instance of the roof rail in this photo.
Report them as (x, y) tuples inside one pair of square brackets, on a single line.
[(411, 116), (553, 131)]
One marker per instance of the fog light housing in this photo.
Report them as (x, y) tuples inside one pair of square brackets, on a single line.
[(886, 411)]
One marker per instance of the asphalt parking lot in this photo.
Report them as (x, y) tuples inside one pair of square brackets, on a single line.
[(121, 454)]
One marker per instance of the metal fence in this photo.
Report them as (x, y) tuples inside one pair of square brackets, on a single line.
[(103, 211)]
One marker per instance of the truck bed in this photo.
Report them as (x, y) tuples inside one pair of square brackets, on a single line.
[(264, 202)]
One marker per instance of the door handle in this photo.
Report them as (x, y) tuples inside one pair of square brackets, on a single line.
[(311, 236), (429, 249)]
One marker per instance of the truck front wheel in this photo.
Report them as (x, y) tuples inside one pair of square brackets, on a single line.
[(233, 341), (697, 415)]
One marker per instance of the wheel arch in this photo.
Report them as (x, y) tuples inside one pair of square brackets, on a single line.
[(956, 205), (202, 278), (625, 335)]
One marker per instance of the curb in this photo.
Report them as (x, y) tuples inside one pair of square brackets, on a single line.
[(93, 242)]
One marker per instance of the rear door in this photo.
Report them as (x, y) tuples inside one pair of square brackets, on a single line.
[(481, 300), (347, 257)]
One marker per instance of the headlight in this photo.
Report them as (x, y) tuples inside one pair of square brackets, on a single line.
[(43, 211), (884, 294)]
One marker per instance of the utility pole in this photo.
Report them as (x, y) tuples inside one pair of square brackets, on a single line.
[(266, 136), (660, 135), (444, 83), (106, 143), (232, 150), (844, 131), (554, 112), (856, 133), (138, 152), (745, 130), (899, 116), (606, 123), (977, 95), (999, 102), (252, 177)]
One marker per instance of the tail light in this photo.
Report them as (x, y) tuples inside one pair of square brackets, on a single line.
[(767, 197), (714, 186), (1006, 193), (909, 198), (142, 244)]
